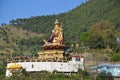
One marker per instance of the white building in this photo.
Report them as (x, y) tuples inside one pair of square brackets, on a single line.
[(59, 66)]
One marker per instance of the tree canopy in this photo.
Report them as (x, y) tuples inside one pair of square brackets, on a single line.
[(102, 35)]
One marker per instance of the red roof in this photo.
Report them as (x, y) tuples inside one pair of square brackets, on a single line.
[(78, 56)]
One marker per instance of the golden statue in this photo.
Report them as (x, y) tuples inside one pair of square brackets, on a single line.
[(56, 37), (53, 47)]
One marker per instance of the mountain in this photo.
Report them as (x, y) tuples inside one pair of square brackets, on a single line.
[(77, 20), (25, 34)]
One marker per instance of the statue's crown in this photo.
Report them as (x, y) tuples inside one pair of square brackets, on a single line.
[(56, 22)]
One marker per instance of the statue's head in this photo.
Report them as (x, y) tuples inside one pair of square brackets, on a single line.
[(57, 23)]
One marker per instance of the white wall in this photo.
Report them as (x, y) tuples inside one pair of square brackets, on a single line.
[(71, 66)]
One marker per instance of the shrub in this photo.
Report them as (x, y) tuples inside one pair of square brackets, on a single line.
[(116, 57)]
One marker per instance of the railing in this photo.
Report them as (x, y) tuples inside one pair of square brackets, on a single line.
[(37, 60)]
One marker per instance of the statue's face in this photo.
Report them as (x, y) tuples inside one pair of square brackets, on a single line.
[(56, 25)]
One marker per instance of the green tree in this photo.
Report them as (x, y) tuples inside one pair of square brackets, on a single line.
[(116, 57), (102, 35), (84, 38)]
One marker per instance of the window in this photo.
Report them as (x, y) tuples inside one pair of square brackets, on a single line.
[(32, 66), (77, 59)]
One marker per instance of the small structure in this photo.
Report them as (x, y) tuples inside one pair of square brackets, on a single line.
[(118, 40), (13, 68), (109, 69)]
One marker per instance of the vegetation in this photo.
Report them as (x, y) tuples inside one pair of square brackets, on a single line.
[(75, 21), (102, 35), (19, 41), (95, 23), (48, 76), (104, 76), (116, 57)]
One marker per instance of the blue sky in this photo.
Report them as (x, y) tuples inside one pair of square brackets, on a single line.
[(12, 9)]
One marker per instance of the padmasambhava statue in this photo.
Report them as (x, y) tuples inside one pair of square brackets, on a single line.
[(56, 37)]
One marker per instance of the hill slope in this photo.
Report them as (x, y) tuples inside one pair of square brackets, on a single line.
[(21, 35), (77, 20), (10, 38)]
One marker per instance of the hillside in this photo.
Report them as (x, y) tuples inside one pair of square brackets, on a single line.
[(24, 35), (11, 36), (11, 40), (76, 21), (20, 34)]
